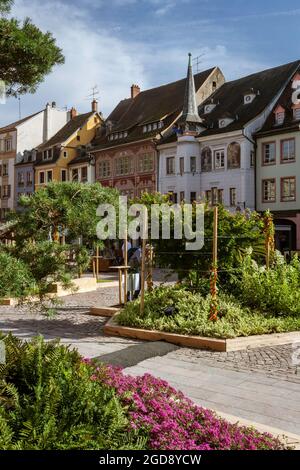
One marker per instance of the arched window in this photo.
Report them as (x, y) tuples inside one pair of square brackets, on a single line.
[(234, 156), (206, 159)]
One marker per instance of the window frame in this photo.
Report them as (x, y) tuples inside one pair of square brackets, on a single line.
[(216, 151), (282, 142), (264, 144), (268, 201), (282, 179), (170, 159)]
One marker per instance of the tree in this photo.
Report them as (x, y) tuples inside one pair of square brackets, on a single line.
[(27, 54)]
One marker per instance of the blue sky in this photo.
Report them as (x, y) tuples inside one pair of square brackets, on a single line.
[(114, 43)]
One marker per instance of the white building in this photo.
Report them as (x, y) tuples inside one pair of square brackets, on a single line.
[(15, 138), (214, 157), (278, 167)]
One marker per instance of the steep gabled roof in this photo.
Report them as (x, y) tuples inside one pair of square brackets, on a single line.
[(230, 98), (163, 103), (66, 131), (60, 137), (289, 123), (15, 124)]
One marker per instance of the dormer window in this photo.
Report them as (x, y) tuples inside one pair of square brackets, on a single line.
[(47, 154), (209, 108), (296, 81), (224, 122), (297, 114), (153, 126), (279, 115), (249, 98), (250, 95)]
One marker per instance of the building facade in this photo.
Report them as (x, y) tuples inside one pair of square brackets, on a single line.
[(68, 144), (125, 150), (218, 163), (19, 137), (278, 167)]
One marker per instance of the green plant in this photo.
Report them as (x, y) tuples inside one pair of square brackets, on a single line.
[(16, 279), (178, 310), (48, 401), (275, 290)]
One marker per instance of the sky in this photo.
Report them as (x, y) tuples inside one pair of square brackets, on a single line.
[(115, 43)]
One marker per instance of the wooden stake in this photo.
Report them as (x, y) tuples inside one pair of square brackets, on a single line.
[(215, 237), (97, 263), (126, 264), (214, 271), (120, 286), (144, 241)]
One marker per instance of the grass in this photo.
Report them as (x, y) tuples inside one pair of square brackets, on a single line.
[(176, 310)]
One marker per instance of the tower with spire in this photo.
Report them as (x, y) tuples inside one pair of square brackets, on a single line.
[(190, 120)]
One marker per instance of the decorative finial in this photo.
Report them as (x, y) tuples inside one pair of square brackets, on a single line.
[(190, 58)]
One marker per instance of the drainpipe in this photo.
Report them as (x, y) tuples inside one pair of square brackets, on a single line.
[(253, 142)]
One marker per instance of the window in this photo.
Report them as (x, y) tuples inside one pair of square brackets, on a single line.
[(279, 118), (181, 165), (84, 174), (181, 196), (288, 189), (49, 176), (5, 169), (104, 168), (234, 156), (146, 163), (219, 159), (193, 165), (41, 177), (29, 178), (65, 154), (47, 154), (63, 176), (297, 114), (193, 197), (288, 150), (220, 196), (269, 190), (170, 165), (232, 194), (6, 191), (269, 153), (21, 178), (215, 194), (123, 166), (8, 145), (208, 195), (206, 159), (75, 174), (78, 138)]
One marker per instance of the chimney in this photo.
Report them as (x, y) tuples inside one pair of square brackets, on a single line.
[(95, 106), (135, 90), (73, 113)]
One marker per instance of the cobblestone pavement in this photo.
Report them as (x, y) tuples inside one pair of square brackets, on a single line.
[(73, 325), (272, 361)]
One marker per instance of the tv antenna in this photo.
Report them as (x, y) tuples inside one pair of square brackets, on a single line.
[(94, 93), (197, 62)]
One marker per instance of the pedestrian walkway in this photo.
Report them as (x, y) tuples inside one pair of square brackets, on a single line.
[(260, 385)]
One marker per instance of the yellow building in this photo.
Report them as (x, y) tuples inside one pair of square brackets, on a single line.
[(54, 156)]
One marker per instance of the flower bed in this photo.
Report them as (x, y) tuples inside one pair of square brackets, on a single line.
[(177, 310), (171, 421)]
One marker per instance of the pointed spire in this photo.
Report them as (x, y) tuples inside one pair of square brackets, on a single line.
[(190, 109)]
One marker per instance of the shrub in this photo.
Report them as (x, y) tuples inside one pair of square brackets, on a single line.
[(177, 310), (47, 401), (15, 277), (276, 290), (172, 421)]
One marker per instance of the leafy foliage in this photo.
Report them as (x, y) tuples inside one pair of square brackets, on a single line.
[(27, 54), (15, 277), (177, 310), (276, 290), (48, 401)]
